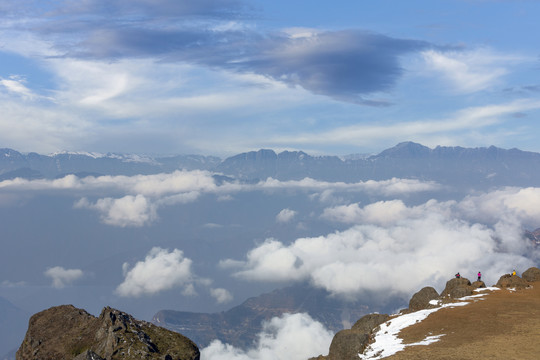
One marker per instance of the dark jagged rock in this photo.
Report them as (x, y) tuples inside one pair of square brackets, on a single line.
[(532, 274), (512, 281), (347, 344), (88, 355), (421, 299), (457, 287), (65, 332)]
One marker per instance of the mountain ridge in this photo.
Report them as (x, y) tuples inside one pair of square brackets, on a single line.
[(482, 166)]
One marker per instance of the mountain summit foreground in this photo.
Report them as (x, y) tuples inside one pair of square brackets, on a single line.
[(501, 322)]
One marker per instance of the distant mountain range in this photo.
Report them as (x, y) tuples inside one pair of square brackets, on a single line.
[(490, 166)]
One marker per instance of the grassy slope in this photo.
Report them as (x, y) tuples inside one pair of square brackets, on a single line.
[(506, 325)]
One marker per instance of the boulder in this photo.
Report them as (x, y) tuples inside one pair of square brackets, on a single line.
[(421, 299), (531, 274), (512, 281), (368, 323), (347, 344), (478, 284), (457, 288), (65, 333)]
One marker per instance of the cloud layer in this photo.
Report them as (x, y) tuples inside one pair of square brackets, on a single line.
[(137, 199), (393, 249)]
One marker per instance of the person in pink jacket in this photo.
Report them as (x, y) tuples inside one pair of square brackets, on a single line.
[(479, 276)]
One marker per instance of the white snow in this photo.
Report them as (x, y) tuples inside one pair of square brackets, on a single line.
[(489, 288), (386, 341)]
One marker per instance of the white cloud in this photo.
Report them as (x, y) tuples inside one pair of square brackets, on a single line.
[(63, 277), (395, 249), (285, 215), (143, 195), (289, 337), (522, 204), (221, 295), (386, 212), (389, 187), (126, 211), (161, 270), (382, 212)]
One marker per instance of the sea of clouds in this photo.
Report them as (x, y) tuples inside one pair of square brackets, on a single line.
[(387, 247)]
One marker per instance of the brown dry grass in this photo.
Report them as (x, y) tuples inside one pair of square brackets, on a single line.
[(505, 325)]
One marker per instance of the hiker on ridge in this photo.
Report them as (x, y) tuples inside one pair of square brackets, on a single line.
[(458, 276), (479, 276), (513, 272)]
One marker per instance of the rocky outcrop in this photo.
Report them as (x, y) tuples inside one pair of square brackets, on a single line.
[(478, 284), (512, 281), (65, 333), (457, 287), (531, 274), (347, 344), (421, 299)]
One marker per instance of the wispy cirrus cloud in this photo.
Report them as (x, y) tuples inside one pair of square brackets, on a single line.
[(460, 126)]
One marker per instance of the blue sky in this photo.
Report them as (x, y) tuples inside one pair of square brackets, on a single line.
[(225, 76)]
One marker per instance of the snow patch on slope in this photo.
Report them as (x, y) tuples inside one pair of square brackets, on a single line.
[(386, 340)]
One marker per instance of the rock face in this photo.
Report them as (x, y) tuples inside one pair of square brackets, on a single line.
[(421, 299), (65, 332), (531, 274), (512, 281), (457, 287), (347, 344)]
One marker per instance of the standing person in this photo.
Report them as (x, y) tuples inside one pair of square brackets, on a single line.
[(513, 272), (479, 276)]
